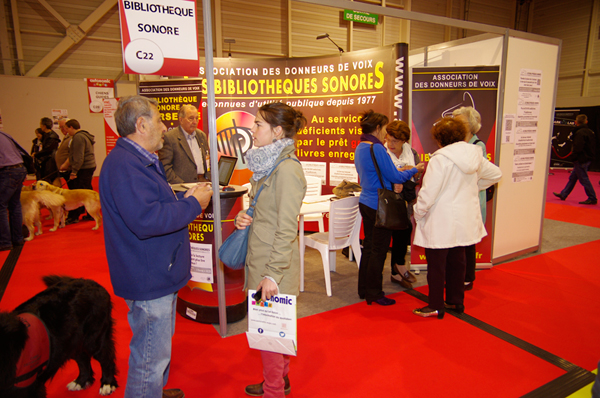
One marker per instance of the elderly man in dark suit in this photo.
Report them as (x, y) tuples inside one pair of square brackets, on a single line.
[(184, 153)]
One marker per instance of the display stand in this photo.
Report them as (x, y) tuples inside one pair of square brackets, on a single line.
[(199, 301)]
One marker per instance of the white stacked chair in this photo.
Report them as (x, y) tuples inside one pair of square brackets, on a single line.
[(344, 230), (314, 188)]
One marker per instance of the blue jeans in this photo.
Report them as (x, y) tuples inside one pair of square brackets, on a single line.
[(153, 325), (579, 173), (11, 215)]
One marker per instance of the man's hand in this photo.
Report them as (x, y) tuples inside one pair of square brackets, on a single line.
[(202, 192), (398, 188), (421, 167)]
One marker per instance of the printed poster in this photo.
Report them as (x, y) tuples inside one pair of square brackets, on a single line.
[(58, 114), (98, 91)]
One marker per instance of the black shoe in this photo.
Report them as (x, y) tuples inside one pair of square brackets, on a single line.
[(256, 390), (468, 286), (5, 248), (87, 217), (382, 301), (558, 196), (458, 308), (70, 221), (589, 202)]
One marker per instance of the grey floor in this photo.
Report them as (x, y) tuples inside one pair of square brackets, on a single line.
[(556, 235)]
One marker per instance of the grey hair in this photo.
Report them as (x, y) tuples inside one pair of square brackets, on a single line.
[(183, 108), (130, 109), (471, 115)]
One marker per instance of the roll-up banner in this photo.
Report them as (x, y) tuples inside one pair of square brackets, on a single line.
[(171, 95), (331, 91), (436, 93), (159, 37)]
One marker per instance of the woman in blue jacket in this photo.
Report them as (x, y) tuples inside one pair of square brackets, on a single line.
[(377, 240)]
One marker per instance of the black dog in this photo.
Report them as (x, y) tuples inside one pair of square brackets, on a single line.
[(77, 316)]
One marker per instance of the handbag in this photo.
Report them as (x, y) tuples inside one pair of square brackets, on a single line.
[(233, 251), (489, 191), (391, 206)]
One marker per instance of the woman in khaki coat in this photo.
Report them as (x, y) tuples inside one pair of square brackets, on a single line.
[(273, 258)]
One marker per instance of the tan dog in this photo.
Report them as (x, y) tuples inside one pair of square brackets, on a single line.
[(32, 201), (75, 198)]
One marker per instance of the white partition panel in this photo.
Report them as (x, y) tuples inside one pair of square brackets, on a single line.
[(519, 212)]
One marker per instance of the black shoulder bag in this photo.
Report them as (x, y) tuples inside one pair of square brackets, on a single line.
[(391, 206), (489, 191)]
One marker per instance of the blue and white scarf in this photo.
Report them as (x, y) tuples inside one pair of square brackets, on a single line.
[(261, 160)]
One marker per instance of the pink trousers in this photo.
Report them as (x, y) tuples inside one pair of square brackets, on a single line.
[(275, 367)]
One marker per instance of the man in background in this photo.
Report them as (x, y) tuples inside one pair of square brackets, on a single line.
[(584, 151), (62, 153), (147, 241), (12, 175), (83, 164), (185, 150), (46, 155)]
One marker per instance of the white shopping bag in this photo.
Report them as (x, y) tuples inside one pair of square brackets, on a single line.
[(272, 324)]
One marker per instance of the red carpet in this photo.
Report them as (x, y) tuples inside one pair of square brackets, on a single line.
[(588, 215), (549, 300)]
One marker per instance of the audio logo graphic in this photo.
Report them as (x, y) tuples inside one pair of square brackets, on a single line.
[(233, 134)]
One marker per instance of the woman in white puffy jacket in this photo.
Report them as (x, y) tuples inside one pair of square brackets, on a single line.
[(447, 213)]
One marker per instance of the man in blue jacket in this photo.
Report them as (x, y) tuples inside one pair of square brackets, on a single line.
[(147, 241)]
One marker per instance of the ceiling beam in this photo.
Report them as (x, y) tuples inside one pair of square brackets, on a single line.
[(4, 42), (74, 34), (17, 33), (54, 13)]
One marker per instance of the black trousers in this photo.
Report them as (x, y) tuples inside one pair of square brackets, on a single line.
[(375, 248), (446, 266), (82, 181), (471, 254), (400, 242)]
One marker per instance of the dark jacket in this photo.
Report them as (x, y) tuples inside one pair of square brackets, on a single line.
[(81, 153), (584, 144), (50, 143), (176, 156), (48, 170), (145, 226)]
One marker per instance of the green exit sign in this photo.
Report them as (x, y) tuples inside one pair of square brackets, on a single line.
[(362, 17)]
